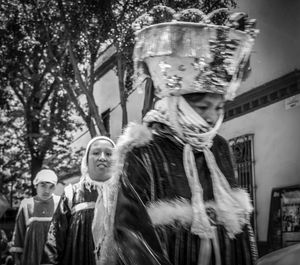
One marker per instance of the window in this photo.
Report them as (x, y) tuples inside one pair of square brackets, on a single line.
[(243, 152)]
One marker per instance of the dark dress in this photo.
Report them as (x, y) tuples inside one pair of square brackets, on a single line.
[(154, 177), (31, 228), (70, 239)]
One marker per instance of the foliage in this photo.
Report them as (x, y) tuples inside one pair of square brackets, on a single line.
[(14, 158), (36, 115), (15, 173)]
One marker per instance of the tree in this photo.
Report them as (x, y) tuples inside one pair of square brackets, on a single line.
[(85, 26), (15, 177), (39, 113), (14, 158)]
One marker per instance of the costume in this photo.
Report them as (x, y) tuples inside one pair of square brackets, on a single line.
[(178, 201), (154, 186), (31, 228), (70, 238)]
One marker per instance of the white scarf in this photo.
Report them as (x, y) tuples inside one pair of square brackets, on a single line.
[(101, 214), (195, 134)]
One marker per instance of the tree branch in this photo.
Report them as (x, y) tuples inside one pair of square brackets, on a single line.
[(74, 99), (47, 140), (48, 93), (19, 96)]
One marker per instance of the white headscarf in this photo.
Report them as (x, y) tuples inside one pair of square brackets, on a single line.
[(85, 179), (45, 175)]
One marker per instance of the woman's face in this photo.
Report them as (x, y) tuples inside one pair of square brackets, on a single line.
[(99, 160), (44, 190), (209, 106)]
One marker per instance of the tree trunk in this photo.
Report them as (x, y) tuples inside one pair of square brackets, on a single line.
[(91, 126), (123, 94), (95, 114), (32, 132), (1, 184), (35, 166)]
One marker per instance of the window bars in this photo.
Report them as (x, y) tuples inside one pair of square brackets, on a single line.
[(243, 151)]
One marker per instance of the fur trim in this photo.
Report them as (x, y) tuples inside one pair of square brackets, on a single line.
[(135, 135), (235, 216), (180, 210), (243, 198), (170, 212)]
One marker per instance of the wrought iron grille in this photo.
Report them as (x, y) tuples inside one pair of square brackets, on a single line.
[(243, 151)]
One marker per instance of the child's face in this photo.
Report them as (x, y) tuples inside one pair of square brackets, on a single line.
[(44, 190)]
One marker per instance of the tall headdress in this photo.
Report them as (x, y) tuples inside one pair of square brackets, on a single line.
[(185, 52)]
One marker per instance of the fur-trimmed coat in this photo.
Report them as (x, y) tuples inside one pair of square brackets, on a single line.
[(153, 212)]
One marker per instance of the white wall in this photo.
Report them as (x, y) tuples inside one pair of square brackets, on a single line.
[(277, 48), (107, 96), (276, 151)]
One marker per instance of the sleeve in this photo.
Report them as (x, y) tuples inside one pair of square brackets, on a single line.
[(20, 229), (225, 160), (57, 234), (136, 239)]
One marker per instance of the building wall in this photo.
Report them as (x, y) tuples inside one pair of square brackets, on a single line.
[(276, 152), (276, 51), (106, 93), (107, 96)]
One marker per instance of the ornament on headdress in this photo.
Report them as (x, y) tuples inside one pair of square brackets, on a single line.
[(186, 52)]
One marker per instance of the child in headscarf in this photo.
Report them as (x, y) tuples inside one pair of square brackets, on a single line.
[(71, 237), (33, 220)]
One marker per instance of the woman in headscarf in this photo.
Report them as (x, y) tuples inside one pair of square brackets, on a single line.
[(179, 202), (71, 234)]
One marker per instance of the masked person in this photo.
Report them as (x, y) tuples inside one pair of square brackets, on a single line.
[(33, 220), (179, 202), (70, 238)]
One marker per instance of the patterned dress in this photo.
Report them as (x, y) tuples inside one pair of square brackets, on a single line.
[(70, 239), (31, 228)]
